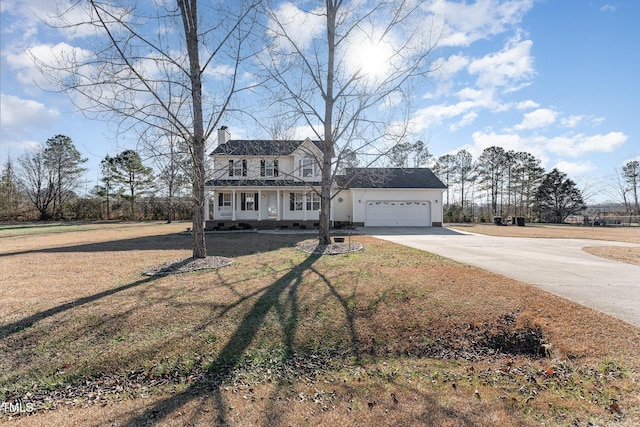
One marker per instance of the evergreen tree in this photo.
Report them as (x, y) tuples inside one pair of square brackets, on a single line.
[(631, 172), (558, 197), (132, 175), (491, 169), (464, 172), (64, 163), (445, 170), (9, 193)]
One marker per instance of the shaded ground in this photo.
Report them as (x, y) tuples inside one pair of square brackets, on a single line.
[(385, 336)]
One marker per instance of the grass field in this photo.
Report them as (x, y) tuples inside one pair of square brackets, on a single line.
[(386, 336)]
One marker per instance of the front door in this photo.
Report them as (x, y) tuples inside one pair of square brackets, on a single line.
[(272, 206)]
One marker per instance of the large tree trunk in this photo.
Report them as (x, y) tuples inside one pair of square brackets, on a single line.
[(190, 21), (324, 234)]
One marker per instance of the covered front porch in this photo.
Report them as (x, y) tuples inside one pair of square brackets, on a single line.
[(247, 207)]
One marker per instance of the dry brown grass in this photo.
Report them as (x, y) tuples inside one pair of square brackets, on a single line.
[(350, 331)]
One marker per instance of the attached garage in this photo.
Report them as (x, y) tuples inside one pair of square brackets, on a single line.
[(414, 213)]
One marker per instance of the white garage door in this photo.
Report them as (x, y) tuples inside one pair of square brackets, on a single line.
[(397, 213)]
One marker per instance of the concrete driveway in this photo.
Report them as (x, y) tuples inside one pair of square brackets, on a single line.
[(559, 266)]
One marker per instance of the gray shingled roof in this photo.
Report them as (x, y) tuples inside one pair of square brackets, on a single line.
[(258, 147), (389, 178)]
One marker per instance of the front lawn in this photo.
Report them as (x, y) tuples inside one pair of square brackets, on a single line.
[(386, 336)]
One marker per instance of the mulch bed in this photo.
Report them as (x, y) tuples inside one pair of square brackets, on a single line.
[(188, 265), (313, 247)]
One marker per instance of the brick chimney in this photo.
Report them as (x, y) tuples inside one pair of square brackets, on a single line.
[(223, 135)]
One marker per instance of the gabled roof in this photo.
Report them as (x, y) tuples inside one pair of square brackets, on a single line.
[(260, 147), (389, 178)]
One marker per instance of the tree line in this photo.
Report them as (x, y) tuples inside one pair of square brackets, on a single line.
[(43, 184), (509, 183)]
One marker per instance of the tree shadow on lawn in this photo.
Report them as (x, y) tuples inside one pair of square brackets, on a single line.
[(225, 245), (27, 322), (228, 245), (287, 310), (231, 355)]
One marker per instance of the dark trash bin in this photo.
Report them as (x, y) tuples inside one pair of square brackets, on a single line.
[(520, 220)]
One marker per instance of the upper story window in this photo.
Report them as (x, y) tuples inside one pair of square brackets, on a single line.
[(268, 168), (237, 168), (307, 167)]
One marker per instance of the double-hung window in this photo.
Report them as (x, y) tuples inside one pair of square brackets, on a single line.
[(307, 167), (237, 168), (269, 168), (249, 201), (313, 201), (295, 201)]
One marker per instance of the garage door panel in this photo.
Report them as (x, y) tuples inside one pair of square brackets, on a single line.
[(397, 213)]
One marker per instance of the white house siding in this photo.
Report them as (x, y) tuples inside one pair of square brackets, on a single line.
[(341, 206), (433, 199)]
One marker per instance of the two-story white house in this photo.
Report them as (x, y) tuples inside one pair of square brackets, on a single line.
[(275, 184)]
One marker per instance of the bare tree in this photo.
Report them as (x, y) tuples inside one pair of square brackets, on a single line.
[(139, 70), (621, 189), (37, 181), (336, 64)]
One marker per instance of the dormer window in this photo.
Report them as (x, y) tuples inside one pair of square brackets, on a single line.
[(237, 168), (307, 167), (269, 168)]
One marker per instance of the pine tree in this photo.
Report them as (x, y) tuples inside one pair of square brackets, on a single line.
[(64, 162), (133, 176)]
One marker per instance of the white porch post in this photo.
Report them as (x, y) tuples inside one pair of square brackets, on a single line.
[(331, 215), (278, 213), (259, 204), (304, 205), (207, 201), (284, 204), (233, 205)]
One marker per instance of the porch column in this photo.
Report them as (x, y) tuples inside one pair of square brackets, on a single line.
[(304, 205), (207, 200), (331, 214), (259, 205), (233, 205), (278, 213)]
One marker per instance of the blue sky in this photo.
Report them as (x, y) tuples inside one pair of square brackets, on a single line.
[(556, 78)]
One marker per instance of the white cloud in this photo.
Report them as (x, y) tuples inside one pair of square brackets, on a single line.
[(528, 104), (572, 121), (508, 68), (18, 115), (580, 144), (21, 119), (608, 8), (301, 26), (574, 168), (466, 22), (26, 71), (542, 117)]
